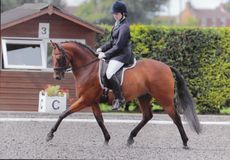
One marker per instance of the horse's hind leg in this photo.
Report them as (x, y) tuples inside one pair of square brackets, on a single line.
[(177, 120), (144, 102), (100, 121)]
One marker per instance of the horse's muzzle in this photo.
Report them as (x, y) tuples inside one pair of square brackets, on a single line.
[(57, 78), (58, 75)]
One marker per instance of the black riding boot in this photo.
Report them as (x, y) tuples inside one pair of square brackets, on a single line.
[(119, 99)]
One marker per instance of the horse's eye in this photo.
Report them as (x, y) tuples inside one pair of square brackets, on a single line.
[(58, 57)]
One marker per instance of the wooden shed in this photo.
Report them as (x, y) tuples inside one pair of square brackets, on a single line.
[(25, 63)]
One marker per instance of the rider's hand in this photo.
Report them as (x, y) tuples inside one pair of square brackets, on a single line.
[(101, 55), (98, 51)]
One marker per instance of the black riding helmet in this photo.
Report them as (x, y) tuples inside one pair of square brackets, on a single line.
[(119, 7)]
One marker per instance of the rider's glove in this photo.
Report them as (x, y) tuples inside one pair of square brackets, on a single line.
[(101, 55), (98, 51)]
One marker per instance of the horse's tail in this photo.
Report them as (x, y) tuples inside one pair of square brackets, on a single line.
[(185, 103)]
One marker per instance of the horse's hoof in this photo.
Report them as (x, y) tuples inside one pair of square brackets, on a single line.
[(49, 137), (185, 147), (130, 142)]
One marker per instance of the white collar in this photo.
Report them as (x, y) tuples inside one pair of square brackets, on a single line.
[(119, 21)]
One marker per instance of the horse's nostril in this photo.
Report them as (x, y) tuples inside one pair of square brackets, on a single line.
[(58, 78)]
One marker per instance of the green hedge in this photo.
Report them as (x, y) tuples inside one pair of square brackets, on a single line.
[(202, 55)]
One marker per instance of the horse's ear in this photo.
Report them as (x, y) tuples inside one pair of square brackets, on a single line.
[(58, 47), (54, 45)]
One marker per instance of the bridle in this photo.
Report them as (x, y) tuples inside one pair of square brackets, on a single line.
[(63, 61)]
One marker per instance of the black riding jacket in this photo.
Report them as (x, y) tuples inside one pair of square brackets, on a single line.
[(119, 46)]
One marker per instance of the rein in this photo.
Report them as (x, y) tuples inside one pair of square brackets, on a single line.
[(79, 68), (69, 68)]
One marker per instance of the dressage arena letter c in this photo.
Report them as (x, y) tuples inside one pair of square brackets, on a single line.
[(55, 107)]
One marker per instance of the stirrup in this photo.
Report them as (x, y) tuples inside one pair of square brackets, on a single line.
[(118, 103)]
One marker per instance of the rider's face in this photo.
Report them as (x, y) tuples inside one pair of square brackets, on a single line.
[(117, 16)]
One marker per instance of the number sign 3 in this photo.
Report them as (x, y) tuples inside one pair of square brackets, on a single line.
[(44, 29)]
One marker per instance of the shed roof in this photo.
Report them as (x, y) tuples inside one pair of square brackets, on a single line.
[(32, 10), (218, 12), (210, 13)]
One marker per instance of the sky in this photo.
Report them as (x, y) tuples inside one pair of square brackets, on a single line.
[(73, 2), (174, 5)]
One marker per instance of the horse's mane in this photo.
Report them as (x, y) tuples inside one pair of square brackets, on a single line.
[(83, 46)]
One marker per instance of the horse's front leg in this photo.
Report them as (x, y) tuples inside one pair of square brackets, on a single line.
[(98, 115), (77, 106)]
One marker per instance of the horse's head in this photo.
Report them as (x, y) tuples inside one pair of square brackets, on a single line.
[(61, 62)]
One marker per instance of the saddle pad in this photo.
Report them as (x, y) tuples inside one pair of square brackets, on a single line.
[(120, 74)]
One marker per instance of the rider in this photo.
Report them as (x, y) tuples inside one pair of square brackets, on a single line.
[(117, 51)]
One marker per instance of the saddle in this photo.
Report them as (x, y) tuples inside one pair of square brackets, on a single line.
[(104, 81)]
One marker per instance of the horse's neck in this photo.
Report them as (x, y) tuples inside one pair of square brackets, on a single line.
[(87, 73), (81, 58), (83, 64)]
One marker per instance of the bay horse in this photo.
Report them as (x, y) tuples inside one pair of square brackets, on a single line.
[(148, 79)]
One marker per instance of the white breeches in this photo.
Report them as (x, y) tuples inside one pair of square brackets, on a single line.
[(113, 67)]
